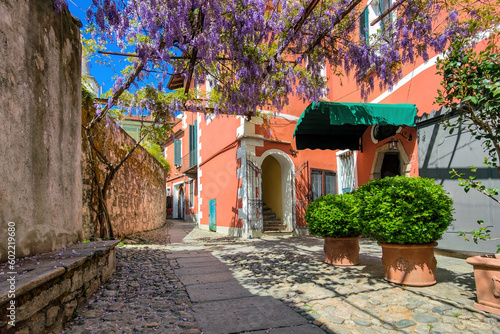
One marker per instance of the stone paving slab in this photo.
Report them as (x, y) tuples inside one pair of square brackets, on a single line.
[(293, 289), (244, 314), (216, 291), (356, 299), (302, 329), (215, 267), (203, 279), (202, 261), (188, 254)]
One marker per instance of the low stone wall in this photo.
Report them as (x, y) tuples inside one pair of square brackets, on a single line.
[(48, 288)]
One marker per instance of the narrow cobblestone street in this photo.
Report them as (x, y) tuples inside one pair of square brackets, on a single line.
[(206, 282)]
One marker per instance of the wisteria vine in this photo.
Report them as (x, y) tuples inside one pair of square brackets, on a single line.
[(257, 53)]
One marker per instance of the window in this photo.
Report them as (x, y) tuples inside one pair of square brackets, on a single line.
[(323, 183), (193, 153), (370, 14), (345, 162), (364, 25), (178, 152), (191, 194)]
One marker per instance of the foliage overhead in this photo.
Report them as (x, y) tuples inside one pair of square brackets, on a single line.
[(257, 53), (404, 210), (332, 216), (155, 150), (471, 89)]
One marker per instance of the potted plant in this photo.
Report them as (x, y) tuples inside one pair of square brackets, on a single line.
[(477, 106), (487, 277), (406, 215), (331, 217)]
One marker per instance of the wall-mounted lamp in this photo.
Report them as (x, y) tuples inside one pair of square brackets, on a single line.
[(404, 133), (393, 144), (293, 152)]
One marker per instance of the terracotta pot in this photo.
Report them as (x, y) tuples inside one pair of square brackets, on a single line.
[(487, 275), (413, 265), (342, 251)]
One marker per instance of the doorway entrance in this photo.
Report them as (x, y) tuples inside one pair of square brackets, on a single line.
[(180, 204), (272, 196), (391, 165)]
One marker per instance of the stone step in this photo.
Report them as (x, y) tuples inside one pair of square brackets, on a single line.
[(275, 221), (269, 215), (274, 227), (278, 232)]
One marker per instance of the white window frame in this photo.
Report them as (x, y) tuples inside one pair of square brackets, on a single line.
[(191, 193), (340, 171)]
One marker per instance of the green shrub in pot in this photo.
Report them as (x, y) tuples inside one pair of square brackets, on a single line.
[(406, 215), (332, 216), (404, 210)]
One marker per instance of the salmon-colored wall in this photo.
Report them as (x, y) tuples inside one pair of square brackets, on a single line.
[(216, 135), (219, 169), (219, 180), (366, 158)]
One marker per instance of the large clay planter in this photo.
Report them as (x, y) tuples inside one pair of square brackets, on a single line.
[(413, 265), (342, 251), (487, 275)]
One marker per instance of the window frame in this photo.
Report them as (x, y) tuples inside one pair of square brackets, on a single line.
[(178, 152), (191, 193), (323, 172)]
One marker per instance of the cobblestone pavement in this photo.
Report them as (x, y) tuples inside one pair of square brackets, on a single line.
[(144, 295), (357, 299)]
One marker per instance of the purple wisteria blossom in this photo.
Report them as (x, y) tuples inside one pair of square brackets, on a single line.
[(257, 53)]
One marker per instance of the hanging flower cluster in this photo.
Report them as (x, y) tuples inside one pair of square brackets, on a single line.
[(257, 53)]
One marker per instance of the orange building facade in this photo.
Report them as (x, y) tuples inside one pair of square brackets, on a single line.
[(248, 177)]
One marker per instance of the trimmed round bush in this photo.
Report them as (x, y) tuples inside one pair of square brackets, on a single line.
[(332, 216), (403, 210)]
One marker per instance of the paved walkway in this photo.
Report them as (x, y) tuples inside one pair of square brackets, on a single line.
[(205, 282)]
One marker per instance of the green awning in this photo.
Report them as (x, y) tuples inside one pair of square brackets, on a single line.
[(336, 125)]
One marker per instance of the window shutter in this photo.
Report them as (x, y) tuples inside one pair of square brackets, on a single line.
[(364, 30), (177, 152), (193, 144)]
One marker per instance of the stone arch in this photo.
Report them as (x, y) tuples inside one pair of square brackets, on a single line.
[(378, 159), (287, 184)]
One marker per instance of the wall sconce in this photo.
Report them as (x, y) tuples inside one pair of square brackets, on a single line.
[(393, 144), (404, 133), (293, 152)]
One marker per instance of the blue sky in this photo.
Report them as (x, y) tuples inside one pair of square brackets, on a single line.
[(103, 74)]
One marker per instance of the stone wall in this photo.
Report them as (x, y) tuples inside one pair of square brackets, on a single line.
[(50, 287), (40, 129), (137, 198)]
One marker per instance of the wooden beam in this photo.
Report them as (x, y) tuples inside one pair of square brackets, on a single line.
[(384, 14), (306, 14), (349, 9)]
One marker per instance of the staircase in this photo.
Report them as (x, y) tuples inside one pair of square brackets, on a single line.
[(271, 222)]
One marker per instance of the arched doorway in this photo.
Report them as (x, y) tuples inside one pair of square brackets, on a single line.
[(278, 183), (180, 204), (387, 162), (391, 165), (272, 196)]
